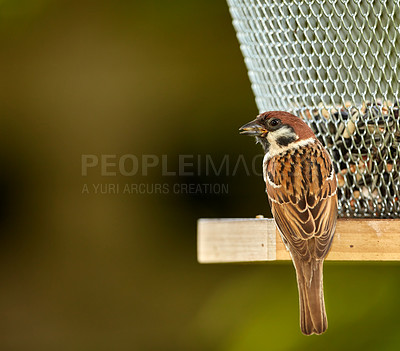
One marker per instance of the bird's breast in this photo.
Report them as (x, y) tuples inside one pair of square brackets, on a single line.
[(297, 171)]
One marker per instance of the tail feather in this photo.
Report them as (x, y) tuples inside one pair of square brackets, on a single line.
[(311, 296)]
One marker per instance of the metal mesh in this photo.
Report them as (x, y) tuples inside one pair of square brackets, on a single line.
[(336, 64)]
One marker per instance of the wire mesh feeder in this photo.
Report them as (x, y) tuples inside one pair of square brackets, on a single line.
[(336, 64)]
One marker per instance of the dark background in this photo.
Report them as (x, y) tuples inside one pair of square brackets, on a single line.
[(119, 271)]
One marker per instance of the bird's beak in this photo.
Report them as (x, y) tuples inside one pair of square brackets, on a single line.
[(253, 128)]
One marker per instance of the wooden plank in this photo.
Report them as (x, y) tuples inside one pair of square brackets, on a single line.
[(236, 240), (257, 239)]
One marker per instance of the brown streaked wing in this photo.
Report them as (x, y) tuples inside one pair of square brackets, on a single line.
[(299, 224)]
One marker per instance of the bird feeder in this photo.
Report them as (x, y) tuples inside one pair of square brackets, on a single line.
[(336, 65)]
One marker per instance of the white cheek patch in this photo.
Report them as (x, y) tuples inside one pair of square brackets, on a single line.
[(272, 137), (281, 132)]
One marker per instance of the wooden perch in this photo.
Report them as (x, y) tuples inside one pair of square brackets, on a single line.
[(257, 239)]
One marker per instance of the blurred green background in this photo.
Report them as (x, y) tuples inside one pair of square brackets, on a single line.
[(119, 271)]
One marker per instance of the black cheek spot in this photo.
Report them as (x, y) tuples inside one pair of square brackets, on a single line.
[(285, 141)]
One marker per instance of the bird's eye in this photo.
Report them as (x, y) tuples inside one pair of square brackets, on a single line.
[(274, 122)]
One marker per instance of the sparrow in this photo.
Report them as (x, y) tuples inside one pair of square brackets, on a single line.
[(301, 187)]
